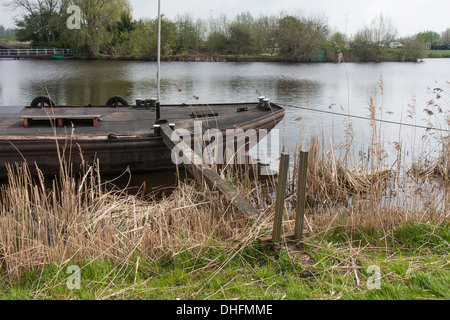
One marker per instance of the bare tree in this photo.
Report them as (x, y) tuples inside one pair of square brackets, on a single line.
[(217, 34), (413, 48), (264, 33), (96, 16), (32, 6), (446, 36), (39, 12), (239, 32), (298, 37), (188, 33), (380, 30)]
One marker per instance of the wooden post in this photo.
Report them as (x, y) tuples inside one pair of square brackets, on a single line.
[(280, 197), (203, 173), (301, 195)]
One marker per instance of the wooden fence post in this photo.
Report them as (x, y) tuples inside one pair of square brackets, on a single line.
[(301, 195), (280, 197)]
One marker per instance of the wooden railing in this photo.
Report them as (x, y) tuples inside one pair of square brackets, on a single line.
[(34, 52)]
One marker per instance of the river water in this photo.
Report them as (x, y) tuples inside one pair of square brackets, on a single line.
[(335, 89)]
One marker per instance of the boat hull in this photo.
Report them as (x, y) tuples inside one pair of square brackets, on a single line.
[(114, 155)]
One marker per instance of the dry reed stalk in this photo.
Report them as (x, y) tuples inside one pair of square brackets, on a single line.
[(340, 196), (331, 180), (79, 219), (436, 168)]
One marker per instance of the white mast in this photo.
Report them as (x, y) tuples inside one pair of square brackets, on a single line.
[(158, 76)]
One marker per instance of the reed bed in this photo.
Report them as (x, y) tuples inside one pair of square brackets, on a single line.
[(80, 218)]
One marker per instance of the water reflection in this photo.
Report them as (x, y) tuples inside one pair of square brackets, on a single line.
[(335, 88)]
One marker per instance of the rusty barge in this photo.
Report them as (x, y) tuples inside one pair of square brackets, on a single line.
[(117, 135)]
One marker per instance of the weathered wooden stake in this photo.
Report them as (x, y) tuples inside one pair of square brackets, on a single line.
[(204, 173), (280, 198), (301, 195)]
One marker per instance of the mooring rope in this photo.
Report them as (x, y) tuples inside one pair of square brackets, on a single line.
[(370, 119)]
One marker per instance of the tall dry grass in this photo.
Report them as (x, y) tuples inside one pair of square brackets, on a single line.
[(370, 191), (79, 218)]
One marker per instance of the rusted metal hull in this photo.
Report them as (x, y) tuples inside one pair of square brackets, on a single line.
[(113, 156), (141, 153)]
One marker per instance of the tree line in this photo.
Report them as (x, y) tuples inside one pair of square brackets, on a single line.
[(107, 27), (6, 31)]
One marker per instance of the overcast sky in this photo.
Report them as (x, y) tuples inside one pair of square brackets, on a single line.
[(409, 16)]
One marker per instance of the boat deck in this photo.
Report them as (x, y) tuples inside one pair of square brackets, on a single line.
[(100, 121)]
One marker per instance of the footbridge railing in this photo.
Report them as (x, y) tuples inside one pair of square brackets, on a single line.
[(34, 52)]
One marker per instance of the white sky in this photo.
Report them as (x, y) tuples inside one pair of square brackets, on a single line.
[(409, 16)]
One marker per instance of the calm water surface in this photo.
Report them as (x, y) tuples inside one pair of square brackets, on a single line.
[(338, 88)]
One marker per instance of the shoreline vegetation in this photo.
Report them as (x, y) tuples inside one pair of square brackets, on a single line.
[(332, 54), (376, 230), (391, 55), (385, 55), (110, 32)]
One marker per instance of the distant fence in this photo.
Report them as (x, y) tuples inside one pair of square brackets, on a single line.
[(34, 52)]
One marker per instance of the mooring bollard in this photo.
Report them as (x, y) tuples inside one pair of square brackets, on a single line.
[(158, 111)]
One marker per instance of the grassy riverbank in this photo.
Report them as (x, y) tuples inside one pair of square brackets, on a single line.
[(438, 53), (335, 264), (351, 55), (384, 55), (8, 38), (190, 244), (198, 57), (377, 230)]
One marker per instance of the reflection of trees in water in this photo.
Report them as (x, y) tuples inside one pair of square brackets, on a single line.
[(177, 90), (299, 90), (173, 90), (238, 85), (78, 82), (83, 92), (288, 91), (278, 90)]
